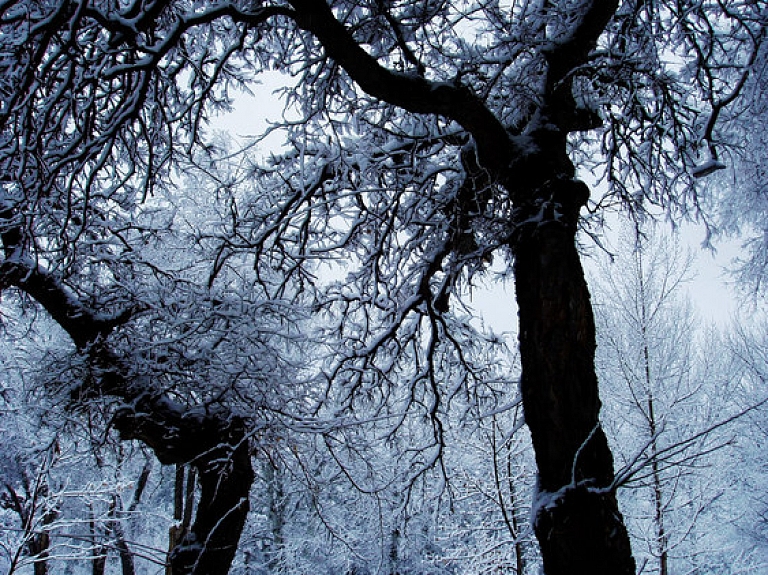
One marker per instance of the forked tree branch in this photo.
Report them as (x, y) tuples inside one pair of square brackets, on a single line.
[(409, 91)]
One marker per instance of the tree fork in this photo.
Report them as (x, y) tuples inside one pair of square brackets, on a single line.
[(211, 544), (216, 445)]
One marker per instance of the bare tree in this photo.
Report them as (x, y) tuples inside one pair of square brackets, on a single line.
[(749, 350), (738, 196), (63, 480), (647, 336), (678, 410), (431, 138)]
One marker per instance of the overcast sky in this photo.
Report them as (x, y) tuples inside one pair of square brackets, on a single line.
[(711, 289)]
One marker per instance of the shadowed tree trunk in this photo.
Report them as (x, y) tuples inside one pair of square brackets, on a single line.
[(215, 443), (99, 551), (127, 566), (40, 543), (577, 521)]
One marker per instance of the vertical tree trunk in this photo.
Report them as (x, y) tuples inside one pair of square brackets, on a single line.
[(658, 495), (508, 503), (114, 530), (41, 542), (36, 543), (394, 551), (576, 516), (183, 505), (39, 547), (127, 565), (225, 480)]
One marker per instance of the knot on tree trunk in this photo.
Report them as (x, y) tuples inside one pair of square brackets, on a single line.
[(557, 201), (177, 433)]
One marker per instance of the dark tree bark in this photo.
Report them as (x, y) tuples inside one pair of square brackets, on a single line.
[(115, 526), (127, 566), (577, 520), (577, 523), (580, 529), (99, 551), (37, 542), (40, 544), (216, 445)]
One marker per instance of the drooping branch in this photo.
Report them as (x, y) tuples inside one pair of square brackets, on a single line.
[(712, 163)]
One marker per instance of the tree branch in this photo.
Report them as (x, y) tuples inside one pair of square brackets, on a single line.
[(571, 51), (80, 323), (213, 440), (409, 91)]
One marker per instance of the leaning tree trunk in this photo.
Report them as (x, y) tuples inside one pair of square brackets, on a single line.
[(216, 445), (210, 438), (576, 516)]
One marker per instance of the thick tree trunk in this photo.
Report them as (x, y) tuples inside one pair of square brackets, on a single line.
[(210, 546), (576, 516), (216, 445), (39, 550)]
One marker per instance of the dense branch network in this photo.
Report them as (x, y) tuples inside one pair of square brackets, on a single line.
[(428, 139), (213, 440)]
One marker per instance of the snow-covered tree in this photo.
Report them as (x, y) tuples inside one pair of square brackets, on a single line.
[(749, 350), (71, 493), (739, 197), (426, 138), (675, 410)]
